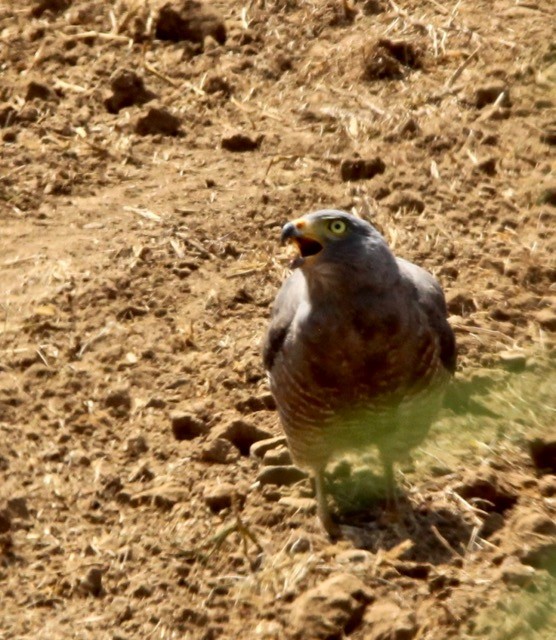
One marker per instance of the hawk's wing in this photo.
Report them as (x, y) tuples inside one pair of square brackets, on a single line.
[(290, 296), (431, 298)]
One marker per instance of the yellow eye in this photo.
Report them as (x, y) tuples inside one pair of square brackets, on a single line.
[(337, 226)]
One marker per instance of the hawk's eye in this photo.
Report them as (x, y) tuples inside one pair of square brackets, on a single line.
[(337, 226)]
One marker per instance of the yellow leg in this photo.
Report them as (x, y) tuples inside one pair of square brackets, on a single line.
[(323, 512)]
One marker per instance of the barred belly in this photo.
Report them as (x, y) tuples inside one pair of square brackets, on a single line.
[(318, 428)]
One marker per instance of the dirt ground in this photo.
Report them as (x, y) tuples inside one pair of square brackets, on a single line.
[(147, 165)]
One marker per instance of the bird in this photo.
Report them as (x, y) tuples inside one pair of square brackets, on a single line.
[(358, 350)]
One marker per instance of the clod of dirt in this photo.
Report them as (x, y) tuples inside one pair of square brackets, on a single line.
[(333, 608), (515, 361), (460, 303), (297, 505), (335, 14), (389, 59), (239, 142), (136, 446), (385, 620), (299, 545), (252, 404), (547, 486), (7, 115), (39, 91), (541, 555), (548, 136), (221, 497), (491, 93), (119, 400), (17, 507), (54, 6), (91, 584), (277, 457), (548, 195), (128, 89), (359, 169), (514, 572), (543, 455), (158, 120), (534, 522), (242, 434), (189, 20), (5, 521), (373, 7), (220, 451), (487, 166), (187, 426), (258, 449), (487, 494), (405, 200), (218, 84), (284, 475)]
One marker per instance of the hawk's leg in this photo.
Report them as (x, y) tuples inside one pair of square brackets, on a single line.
[(392, 503), (323, 512)]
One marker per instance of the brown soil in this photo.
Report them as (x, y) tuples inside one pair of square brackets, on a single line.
[(143, 183)]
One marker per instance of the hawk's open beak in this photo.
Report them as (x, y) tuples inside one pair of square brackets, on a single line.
[(300, 232)]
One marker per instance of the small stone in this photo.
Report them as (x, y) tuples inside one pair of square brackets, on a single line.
[(281, 476), (278, 456), (489, 94), (258, 449), (10, 135), (18, 508), (221, 496), (92, 583), (356, 558), (513, 572), (359, 169), (242, 434), (219, 450), (239, 142), (385, 620), (158, 120), (186, 426), (330, 609), (513, 360), (299, 545)]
